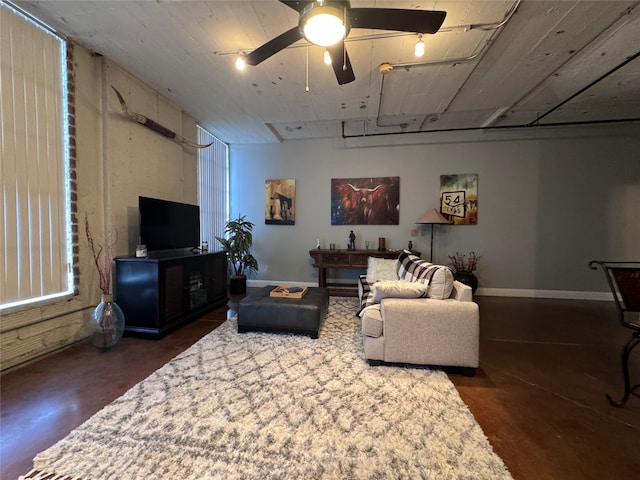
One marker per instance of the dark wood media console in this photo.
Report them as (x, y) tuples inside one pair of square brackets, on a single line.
[(159, 293)]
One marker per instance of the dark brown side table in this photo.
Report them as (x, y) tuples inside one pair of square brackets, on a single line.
[(345, 259)]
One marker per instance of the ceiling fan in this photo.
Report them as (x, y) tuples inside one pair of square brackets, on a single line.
[(341, 18)]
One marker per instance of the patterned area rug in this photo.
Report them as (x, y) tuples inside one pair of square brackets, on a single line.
[(276, 406)]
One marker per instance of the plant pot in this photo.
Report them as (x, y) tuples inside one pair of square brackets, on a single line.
[(238, 285), (468, 278)]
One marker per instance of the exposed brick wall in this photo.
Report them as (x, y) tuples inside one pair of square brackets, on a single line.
[(73, 187)]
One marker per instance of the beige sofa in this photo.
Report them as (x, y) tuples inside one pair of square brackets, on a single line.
[(424, 331)]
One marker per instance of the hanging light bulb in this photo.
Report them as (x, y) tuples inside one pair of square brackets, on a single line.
[(327, 57), (240, 63), (419, 50)]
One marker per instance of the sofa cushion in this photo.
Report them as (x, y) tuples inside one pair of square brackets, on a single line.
[(381, 269), (438, 277), (398, 289)]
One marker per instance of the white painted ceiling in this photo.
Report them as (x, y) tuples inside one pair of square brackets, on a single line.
[(497, 62)]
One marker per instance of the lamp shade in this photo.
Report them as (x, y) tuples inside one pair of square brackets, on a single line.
[(432, 216)]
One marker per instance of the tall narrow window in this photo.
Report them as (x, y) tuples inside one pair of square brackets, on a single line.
[(34, 200), (213, 187)]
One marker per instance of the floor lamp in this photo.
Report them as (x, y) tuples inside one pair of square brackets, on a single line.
[(431, 217)]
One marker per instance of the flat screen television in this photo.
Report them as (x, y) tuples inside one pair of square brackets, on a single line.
[(166, 225)]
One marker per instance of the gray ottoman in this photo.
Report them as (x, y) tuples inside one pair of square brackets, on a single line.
[(260, 312)]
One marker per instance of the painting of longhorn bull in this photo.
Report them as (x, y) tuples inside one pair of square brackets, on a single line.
[(365, 201), (279, 205), (459, 198)]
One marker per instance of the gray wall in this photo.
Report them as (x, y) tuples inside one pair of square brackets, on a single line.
[(549, 200)]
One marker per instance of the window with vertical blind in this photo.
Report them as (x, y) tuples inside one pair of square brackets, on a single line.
[(213, 187), (34, 200)]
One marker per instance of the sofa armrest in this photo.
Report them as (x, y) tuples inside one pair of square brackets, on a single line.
[(438, 332), (461, 292)]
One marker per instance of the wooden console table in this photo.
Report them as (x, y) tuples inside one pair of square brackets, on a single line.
[(345, 259)]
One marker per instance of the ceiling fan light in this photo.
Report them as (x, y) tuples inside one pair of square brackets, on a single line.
[(419, 49), (323, 25), (240, 63), (327, 57)]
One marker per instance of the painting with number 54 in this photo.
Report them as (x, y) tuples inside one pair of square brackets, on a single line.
[(459, 198)]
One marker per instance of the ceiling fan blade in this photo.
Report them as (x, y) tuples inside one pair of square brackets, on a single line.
[(297, 6), (402, 20), (341, 63), (273, 46)]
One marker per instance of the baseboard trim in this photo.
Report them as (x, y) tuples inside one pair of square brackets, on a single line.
[(482, 292), (533, 293)]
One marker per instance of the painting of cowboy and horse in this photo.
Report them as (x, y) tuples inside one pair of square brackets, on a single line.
[(279, 206), (365, 201)]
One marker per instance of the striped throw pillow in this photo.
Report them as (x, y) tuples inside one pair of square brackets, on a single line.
[(438, 277)]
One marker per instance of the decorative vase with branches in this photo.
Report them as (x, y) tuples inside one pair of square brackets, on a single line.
[(461, 264), (464, 268), (106, 324)]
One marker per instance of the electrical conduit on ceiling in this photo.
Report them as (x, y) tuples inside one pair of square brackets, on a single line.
[(479, 52), (582, 90)]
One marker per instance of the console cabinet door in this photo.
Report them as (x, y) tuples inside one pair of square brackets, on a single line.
[(138, 290), (173, 297), (218, 277), (196, 284)]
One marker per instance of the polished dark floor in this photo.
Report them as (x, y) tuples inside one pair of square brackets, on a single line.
[(538, 395)]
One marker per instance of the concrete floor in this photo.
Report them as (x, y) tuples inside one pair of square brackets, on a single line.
[(545, 366)]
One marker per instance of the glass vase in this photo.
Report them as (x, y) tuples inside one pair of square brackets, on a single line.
[(106, 324)]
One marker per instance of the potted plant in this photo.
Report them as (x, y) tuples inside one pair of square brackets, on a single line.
[(237, 244), (464, 269)]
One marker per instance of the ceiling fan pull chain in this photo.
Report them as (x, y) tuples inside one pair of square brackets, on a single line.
[(344, 56), (344, 44), (307, 88)]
